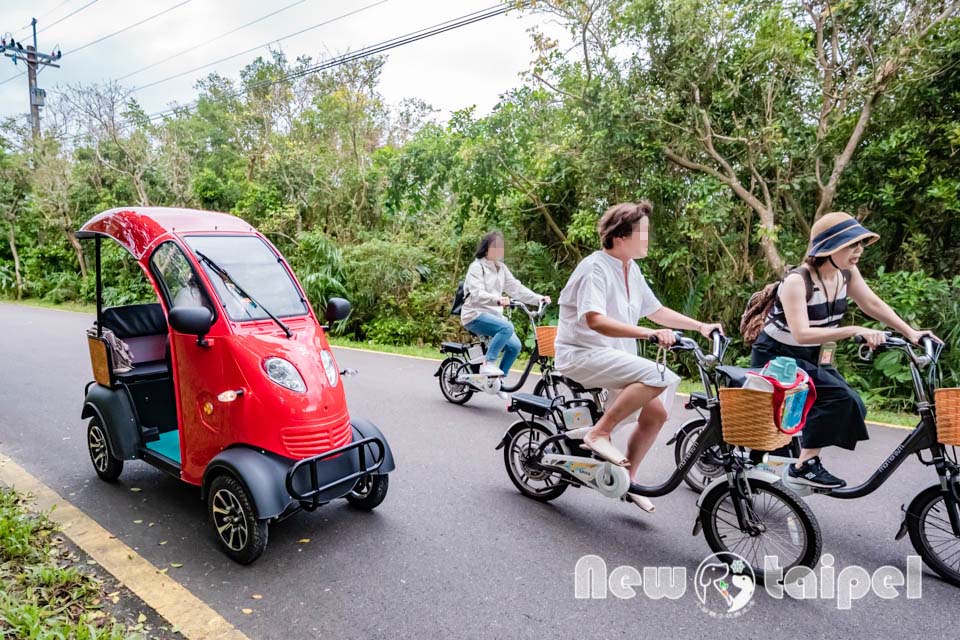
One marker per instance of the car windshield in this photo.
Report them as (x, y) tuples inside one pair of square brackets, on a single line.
[(253, 267)]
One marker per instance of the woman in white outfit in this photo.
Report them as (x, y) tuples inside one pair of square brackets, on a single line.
[(596, 339), (482, 312)]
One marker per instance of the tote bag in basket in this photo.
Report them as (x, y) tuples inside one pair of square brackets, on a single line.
[(754, 418)]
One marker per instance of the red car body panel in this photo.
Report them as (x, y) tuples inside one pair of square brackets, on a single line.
[(266, 415)]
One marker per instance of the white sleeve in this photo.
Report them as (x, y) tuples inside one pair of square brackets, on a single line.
[(515, 288), (592, 292), (649, 303), (473, 285)]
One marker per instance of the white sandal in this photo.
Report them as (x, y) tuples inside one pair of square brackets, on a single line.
[(604, 448), (641, 501)]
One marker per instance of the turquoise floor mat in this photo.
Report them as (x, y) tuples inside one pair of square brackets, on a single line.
[(168, 445)]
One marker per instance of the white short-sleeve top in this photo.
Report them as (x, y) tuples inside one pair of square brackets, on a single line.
[(597, 284)]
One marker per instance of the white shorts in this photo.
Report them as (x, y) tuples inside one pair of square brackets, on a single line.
[(612, 369)]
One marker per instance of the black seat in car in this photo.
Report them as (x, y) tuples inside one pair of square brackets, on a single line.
[(143, 327)]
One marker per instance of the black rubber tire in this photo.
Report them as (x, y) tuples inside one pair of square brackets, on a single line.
[(105, 464), (455, 364), (810, 553), (369, 492), (250, 546), (921, 508), (545, 495), (680, 447), (547, 390)]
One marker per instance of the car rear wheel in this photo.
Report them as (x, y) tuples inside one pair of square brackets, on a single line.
[(107, 466)]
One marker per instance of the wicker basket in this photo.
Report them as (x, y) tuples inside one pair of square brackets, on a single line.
[(747, 416), (546, 336), (99, 360), (948, 416)]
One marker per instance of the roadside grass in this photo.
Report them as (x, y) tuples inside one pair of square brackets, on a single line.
[(43, 593), (79, 307)]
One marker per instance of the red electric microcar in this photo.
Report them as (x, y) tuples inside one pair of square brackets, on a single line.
[(232, 385)]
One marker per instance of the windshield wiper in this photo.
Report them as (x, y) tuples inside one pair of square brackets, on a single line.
[(228, 279)]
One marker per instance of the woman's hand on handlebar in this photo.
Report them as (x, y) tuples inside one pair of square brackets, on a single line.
[(706, 330), (873, 338), (504, 301), (545, 300), (663, 337), (915, 336)]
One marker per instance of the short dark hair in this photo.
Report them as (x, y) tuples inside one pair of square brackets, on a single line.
[(619, 220), (816, 262), (486, 241)]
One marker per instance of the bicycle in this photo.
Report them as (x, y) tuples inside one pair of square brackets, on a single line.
[(459, 373), (932, 518), (749, 512)]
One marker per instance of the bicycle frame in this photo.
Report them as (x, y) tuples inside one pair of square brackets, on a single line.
[(712, 435), (535, 357), (923, 437), (736, 471)]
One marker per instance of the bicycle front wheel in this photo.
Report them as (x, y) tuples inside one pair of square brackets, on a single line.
[(779, 524), (932, 535)]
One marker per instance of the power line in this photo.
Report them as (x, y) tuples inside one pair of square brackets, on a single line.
[(128, 27), (109, 35), (212, 40), (259, 46), (386, 45), (72, 13), (44, 15)]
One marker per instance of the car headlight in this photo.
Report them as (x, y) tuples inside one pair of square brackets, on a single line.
[(284, 374), (330, 367)]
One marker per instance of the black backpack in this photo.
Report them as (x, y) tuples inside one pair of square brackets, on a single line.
[(461, 295), (458, 299)]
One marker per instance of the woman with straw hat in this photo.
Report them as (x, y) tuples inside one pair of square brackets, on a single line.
[(804, 323)]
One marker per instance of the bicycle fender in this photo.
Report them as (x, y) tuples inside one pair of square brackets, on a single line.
[(750, 474)]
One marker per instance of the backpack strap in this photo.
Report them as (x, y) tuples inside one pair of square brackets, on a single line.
[(807, 279)]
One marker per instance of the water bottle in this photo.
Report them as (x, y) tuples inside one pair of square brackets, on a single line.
[(782, 368), (793, 408)]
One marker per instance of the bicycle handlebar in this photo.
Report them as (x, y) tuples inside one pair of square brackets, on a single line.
[(718, 343), (931, 348), (516, 304)]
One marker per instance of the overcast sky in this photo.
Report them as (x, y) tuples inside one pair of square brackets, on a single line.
[(472, 65)]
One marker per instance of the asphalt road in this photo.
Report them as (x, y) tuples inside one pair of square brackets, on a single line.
[(454, 551)]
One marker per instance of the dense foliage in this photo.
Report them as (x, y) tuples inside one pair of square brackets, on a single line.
[(741, 121)]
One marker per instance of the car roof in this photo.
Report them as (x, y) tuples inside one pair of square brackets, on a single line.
[(136, 228)]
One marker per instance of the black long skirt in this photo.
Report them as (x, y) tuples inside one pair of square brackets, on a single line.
[(837, 417)]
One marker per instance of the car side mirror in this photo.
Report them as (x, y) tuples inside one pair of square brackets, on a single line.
[(191, 320), (337, 309)]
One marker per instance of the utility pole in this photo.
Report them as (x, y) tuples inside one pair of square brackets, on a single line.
[(33, 58)]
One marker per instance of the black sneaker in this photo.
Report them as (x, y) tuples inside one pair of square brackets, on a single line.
[(812, 473)]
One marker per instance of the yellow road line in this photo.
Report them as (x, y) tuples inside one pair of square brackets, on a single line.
[(183, 610)]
